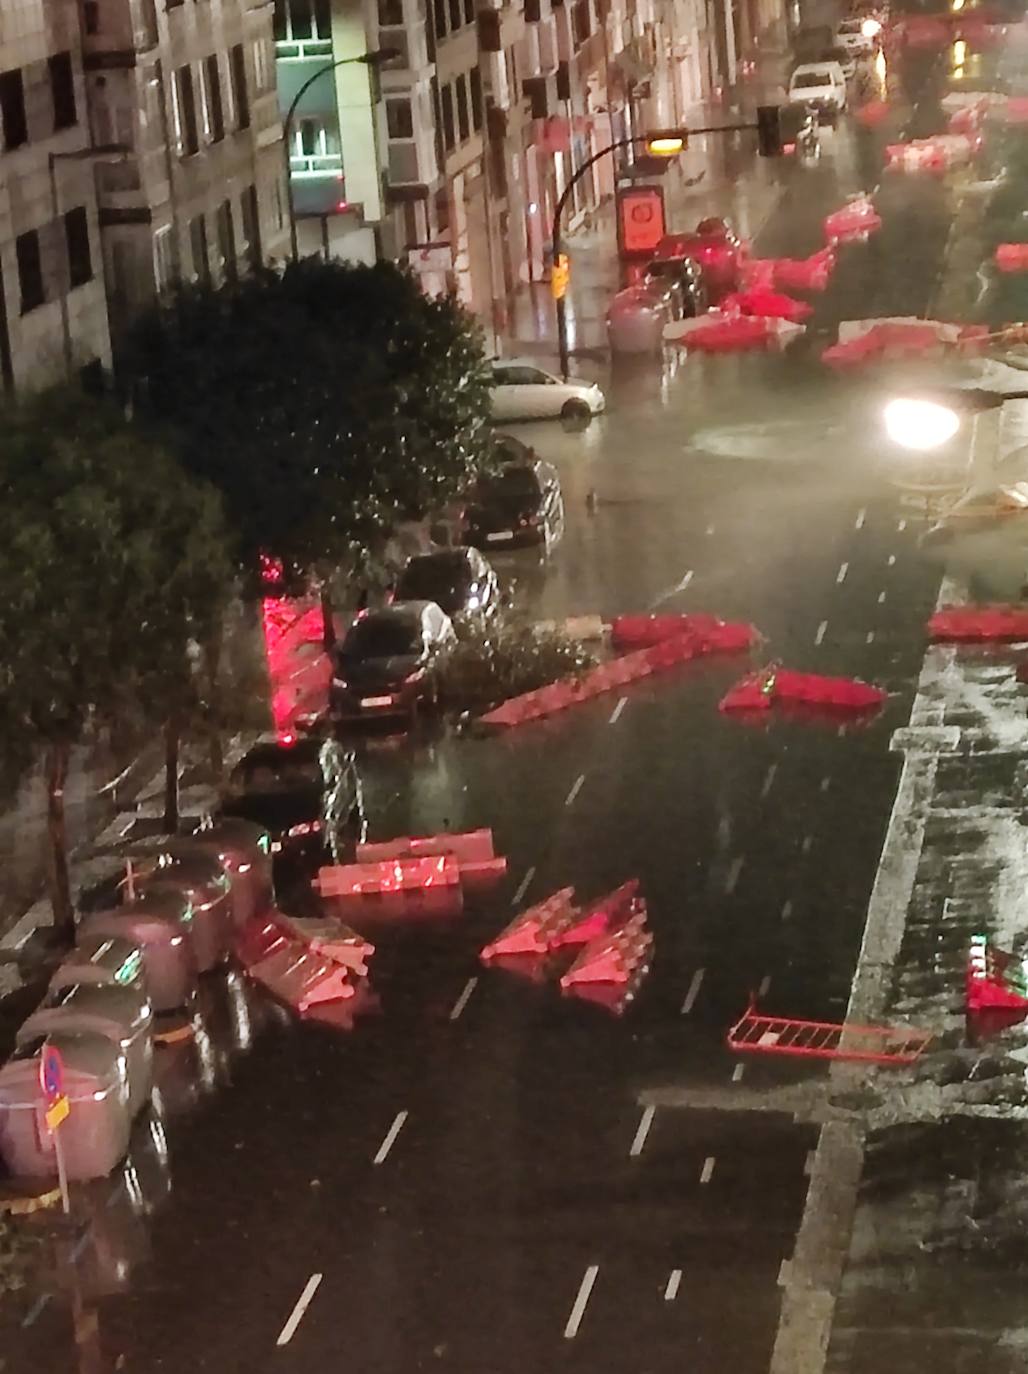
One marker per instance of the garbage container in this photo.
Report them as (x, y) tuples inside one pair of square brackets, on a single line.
[(636, 319), (104, 1009), (161, 925), (243, 848), (102, 959), (94, 1135), (200, 878)]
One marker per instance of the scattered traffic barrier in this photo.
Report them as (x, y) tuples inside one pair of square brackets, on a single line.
[(805, 274), (968, 623), (714, 635), (601, 917), (995, 980), (473, 851), (853, 223), (534, 931), (620, 957), (764, 303), (873, 113), (303, 963), (1012, 257), (720, 332), (429, 886), (1016, 110), (761, 690), (874, 340), (755, 1033)]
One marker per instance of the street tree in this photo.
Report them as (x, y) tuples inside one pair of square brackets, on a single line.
[(325, 401), (111, 561)]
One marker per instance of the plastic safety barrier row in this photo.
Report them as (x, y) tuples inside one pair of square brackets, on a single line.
[(853, 223), (714, 635), (305, 964), (395, 887), (1012, 257), (620, 957), (557, 923), (958, 623), (766, 304), (723, 333), (995, 979), (756, 1033), (762, 690), (937, 155), (862, 341), (473, 851)]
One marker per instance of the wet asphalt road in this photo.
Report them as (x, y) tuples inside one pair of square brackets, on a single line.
[(470, 1172)]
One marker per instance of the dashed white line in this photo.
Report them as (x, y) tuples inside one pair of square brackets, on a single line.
[(710, 529), (733, 874), (902, 526), (581, 1302), (643, 1130), (35, 1310), (858, 524), (302, 1304), (769, 778), (881, 598), (462, 1000), (694, 991), (892, 560), (390, 1139), (737, 1073), (576, 787), (523, 886), (765, 985), (840, 576), (615, 715), (808, 840), (869, 638), (674, 1282), (786, 908), (821, 632), (707, 1172), (826, 782)]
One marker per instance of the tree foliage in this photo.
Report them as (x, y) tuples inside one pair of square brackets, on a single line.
[(325, 401)]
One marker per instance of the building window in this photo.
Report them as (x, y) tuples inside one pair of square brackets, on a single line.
[(216, 110), (301, 14), (456, 18), (439, 11), (62, 88), (469, 11), (30, 271), (226, 240), (76, 238), (476, 98), (163, 258), (463, 114), (198, 245), (399, 119), (449, 136), (390, 14), (263, 78), (580, 21), (91, 17), (12, 109), (296, 20), (249, 218), (240, 96), (188, 135)]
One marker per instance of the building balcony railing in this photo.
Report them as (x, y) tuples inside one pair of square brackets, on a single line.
[(302, 48), (316, 165)]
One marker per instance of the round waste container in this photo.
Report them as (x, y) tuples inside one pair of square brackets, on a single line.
[(95, 1133), (200, 878), (160, 924), (636, 320), (102, 959), (104, 1009), (243, 848)]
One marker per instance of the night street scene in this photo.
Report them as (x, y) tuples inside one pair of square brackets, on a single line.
[(514, 729)]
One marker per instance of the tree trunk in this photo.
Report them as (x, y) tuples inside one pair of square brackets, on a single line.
[(171, 751), (58, 754), (327, 618)]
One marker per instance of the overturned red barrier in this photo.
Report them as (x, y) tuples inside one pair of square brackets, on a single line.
[(1012, 257), (473, 851), (853, 223), (534, 931), (762, 690), (714, 635), (995, 980), (766, 304), (601, 917), (862, 341), (755, 1033), (620, 957), (872, 114), (304, 964), (805, 274), (395, 887), (735, 335), (957, 624)]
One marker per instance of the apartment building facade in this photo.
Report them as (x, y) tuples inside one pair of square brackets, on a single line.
[(53, 313)]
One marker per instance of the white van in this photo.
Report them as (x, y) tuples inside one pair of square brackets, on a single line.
[(819, 83)]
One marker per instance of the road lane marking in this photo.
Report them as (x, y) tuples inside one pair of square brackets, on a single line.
[(578, 1311), (463, 999), (693, 993), (808, 1163), (733, 874), (523, 886), (840, 576), (858, 524), (769, 778), (821, 632), (808, 840), (881, 598), (892, 560), (642, 1131), (765, 985), (302, 1304), (869, 638), (576, 787), (615, 715), (784, 1273), (710, 529), (902, 526), (35, 1310), (786, 908), (737, 1073), (707, 1172), (826, 782), (679, 586), (674, 1282), (393, 1131)]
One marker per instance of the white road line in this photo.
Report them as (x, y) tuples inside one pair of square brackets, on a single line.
[(892, 560), (881, 598), (858, 524), (769, 778), (390, 1140), (463, 999), (808, 840), (869, 638), (808, 1163), (578, 1311), (737, 1073), (821, 632), (523, 885), (694, 991), (615, 715), (642, 1131), (666, 595), (902, 526), (840, 576), (826, 782), (765, 985), (302, 1304), (674, 1282), (733, 874), (786, 908), (707, 1172), (576, 787), (35, 1310), (710, 529)]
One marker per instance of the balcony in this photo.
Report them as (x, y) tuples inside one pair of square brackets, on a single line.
[(411, 45), (404, 168), (316, 165)]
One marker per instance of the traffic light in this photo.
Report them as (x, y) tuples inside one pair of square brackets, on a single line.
[(667, 142), (769, 130), (560, 275)]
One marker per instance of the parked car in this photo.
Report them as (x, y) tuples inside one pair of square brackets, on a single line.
[(688, 275), (380, 668), (851, 36), (637, 315), (523, 391), (519, 504), (460, 581), (821, 84), (304, 792), (716, 249)]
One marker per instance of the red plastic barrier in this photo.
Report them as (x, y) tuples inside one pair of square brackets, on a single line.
[(805, 274), (767, 304), (396, 887), (601, 917), (853, 223), (760, 691), (758, 274), (534, 931), (995, 979), (715, 636), (923, 31), (873, 114), (730, 336), (887, 340), (620, 957), (473, 852), (1012, 257), (304, 963), (1017, 109), (957, 623)]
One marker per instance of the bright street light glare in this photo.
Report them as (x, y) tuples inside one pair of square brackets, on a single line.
[(920, 425), (665, 145), (870, 28)]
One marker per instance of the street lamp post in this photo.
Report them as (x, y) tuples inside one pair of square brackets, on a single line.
[(375, 58)]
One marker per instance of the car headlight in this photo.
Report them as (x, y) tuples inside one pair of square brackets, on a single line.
[(303, 828), (473, 603)]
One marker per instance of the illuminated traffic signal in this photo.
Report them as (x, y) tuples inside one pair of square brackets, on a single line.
[(769, 131), (560, 275), (667, 142)]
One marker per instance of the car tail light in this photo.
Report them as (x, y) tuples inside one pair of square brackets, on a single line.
[(416, 676), (304, 828)]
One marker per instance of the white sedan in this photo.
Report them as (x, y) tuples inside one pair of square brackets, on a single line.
[(523, 391)]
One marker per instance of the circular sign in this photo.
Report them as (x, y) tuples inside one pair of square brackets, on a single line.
[(51, 1073)]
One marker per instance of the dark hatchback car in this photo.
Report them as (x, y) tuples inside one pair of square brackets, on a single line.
[(687, 276), (460, 581), (381, 668), (717, 250), (520, 504), (306, 793)]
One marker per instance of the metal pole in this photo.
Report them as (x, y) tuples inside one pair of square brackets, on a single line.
[(62, 1172), (63, 282)]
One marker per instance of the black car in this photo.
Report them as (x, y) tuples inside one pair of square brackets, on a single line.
[(381, 668), (458, 580), (305, 792), (519, 504), (687, 275)]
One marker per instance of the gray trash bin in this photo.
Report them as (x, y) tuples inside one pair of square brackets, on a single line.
[(102, 959), (95, 1134), (243, 848), (106, 1010), (161, 925), (200, 878)]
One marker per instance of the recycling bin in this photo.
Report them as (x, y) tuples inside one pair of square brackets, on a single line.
[(95, 1133), (160, 924), (103, 959), (108, 1010), (198, 878), (243, 849)]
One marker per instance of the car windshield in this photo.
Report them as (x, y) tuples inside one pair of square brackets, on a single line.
[(444, 578), (514, 485), (284, 770), (380, 636), (664, 267), (805, 79)]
